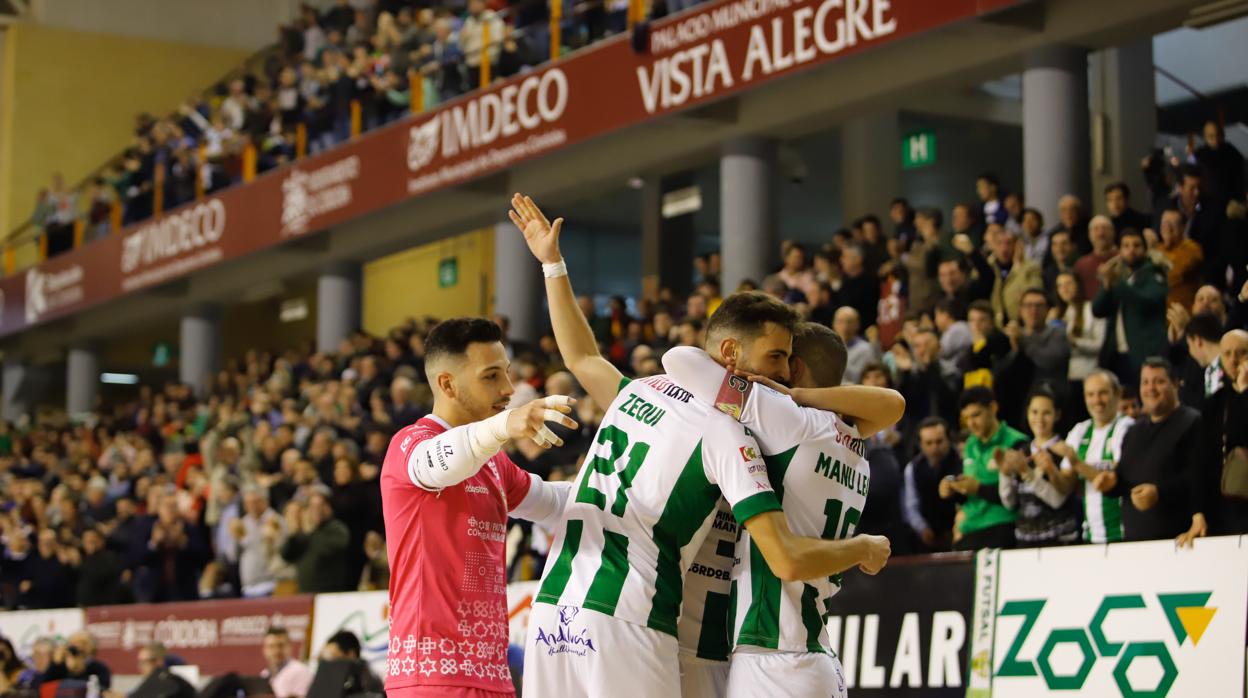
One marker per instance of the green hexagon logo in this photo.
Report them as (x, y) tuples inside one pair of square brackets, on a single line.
[(1063, 636), (1169, 672)]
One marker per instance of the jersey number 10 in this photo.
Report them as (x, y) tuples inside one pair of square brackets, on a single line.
[(606, 465)]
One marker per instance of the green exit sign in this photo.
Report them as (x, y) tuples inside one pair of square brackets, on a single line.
[(448, 272), (918, 150)]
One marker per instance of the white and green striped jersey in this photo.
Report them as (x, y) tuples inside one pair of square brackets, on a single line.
[(1100, 448), (644, 501), (703, 631), (818, 469)]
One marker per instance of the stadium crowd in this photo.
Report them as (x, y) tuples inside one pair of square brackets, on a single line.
[(1023, 350), (362, 51)]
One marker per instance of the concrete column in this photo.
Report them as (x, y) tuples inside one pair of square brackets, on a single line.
[(199, 356), (1124, 112), (1055, 128), (82, 379), (870, 165), (667, 244), (14, 373), (519, 287), (747, 231), (338, 304)]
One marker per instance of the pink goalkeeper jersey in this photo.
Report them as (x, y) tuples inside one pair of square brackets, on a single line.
[(448, 585)]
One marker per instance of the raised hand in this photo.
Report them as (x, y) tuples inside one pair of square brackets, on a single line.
[(529, 421), (541, 236)]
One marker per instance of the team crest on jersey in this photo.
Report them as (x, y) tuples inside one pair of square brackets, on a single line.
[(748, 453), (565, 639)]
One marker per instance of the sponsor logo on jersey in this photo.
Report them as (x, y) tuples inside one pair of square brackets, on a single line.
[(565, 639), (406, 444), (476, 489)]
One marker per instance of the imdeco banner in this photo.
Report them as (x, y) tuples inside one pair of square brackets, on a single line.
[(714, 51)]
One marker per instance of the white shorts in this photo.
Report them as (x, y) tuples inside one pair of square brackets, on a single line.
[(571, 652), (702, 678), (793, 674)]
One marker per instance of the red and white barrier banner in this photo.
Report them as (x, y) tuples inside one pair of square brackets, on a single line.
[(711, 52), (218, 636), (22, 628)]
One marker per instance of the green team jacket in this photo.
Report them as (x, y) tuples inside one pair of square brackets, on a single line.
[(985, 512)]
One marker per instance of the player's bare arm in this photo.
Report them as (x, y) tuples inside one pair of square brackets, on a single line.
[(794, 558), (576, 340), (872, 409)]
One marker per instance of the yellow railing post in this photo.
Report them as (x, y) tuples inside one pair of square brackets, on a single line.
[(10, 260), (416, 90), (556, 28), (357, 118), (114, 217), (43, 247), (485, 53), (249, 162), (301, 141), (201, 156), (80, 229), (158, 190)]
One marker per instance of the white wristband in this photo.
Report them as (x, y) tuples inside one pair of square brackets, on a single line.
[(556, 270), (489, 435)]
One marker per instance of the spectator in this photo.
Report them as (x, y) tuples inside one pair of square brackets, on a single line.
[(1132, 298), (988, 187), (1014, 207), (472, 38), (1118, 203), (1034, 239), (1201, 374), (929, 515), (1160, 461), (922, 261), (376, 575), (1104, 248), (963, 221), (1094, 446), (1203, 221), (989, 347), (928, 384), (1221, 166), (1224, 412), (255, 536), (1184, 256), (99, 574), (1071, 219), (11, 667), (76, 660), (984, 522), (955, 334), (1031, 484), (795, 275), (152, 659), (173, 555), (954, 285), (345, 646), (1041, 344), (902, 216), (316, 545), (1009, 273), (1084, 330), (289, 677), (1061, 259), (47, 579), (860, 288), (861, 352)]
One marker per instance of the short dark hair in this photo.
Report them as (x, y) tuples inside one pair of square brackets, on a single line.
[(746, 313), (977, 395), (933, 214), (1176, 210), (1207, 326), (823, 351), (990, 177), (952, 307), (1035, 212), (277, 630), (934, 421), (452, 337), (1189, 170), (1159, 362), (878, 367), (346, 641), (1129, 233), (1118, 186), (982, 306), (1035, 291)]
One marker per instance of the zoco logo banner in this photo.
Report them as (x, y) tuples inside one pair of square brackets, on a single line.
[(1133, 619)]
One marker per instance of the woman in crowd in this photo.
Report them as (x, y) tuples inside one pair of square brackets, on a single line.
[(1031, 484), (1086, 333)]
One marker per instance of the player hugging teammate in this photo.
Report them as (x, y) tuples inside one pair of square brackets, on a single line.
[(649, 590)]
